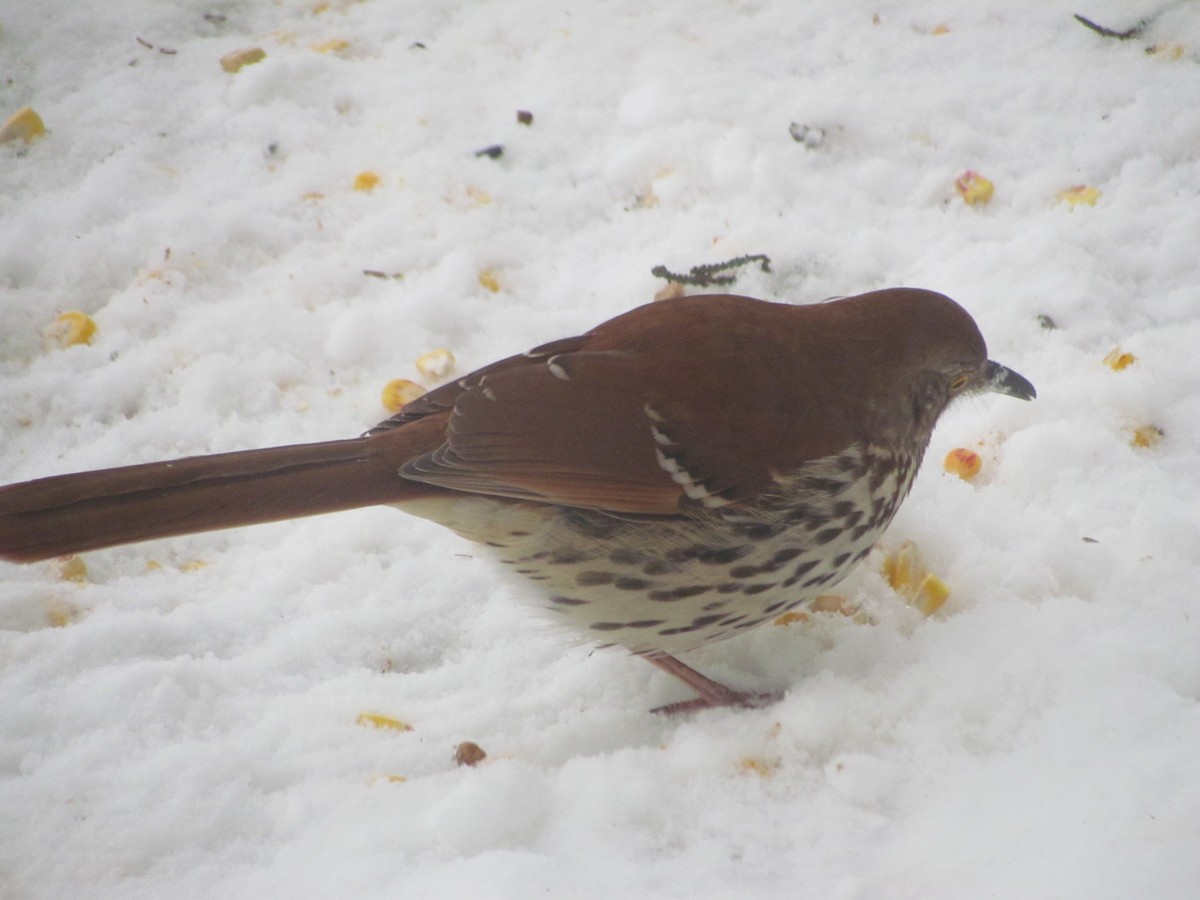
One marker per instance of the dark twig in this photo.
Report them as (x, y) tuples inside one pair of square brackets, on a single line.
[(1129, 34), (705, 276)]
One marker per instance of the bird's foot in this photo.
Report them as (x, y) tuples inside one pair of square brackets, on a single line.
[(712, 693)]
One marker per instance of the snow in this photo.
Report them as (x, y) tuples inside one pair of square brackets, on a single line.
[(183, 722)]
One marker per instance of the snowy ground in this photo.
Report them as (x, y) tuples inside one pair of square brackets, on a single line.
[(183, 722)]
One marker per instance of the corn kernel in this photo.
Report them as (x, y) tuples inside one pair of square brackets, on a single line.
[(232, 62), (1079, 193), (930, 594), (489, 280), (1116, 359), (478, 196), (436, 363), (23, 125), (962, 462), (333, 45), (752, 766), (73, 568), (366, 181), (71, 328), (974, 188), (905, 574), (59, 613), (939, 29), (377, 720), (389, 777), (900, 566), (789, 617), (398, 393), (1146, 436)]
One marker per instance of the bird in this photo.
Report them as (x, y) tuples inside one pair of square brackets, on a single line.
[(673, 477)]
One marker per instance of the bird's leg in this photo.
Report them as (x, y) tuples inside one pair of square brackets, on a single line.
[(712, 693)]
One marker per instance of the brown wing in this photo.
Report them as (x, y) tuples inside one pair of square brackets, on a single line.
[(644, 414)]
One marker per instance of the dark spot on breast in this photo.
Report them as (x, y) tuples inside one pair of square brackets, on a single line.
[(631, 584), (801, 570), (568, 556), (628, 557), (786, 555), (567, 601), (759, 531), (752, 589), (827, 535), (592, 578), (606, 626), (840, 560), (659, 567), (721, 557), (645, 623), (679, 593)]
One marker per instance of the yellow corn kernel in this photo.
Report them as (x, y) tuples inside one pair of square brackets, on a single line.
[(908, 578), (753, 766), (235, 60), (333, 45), (930, 594), (378, 720), (974, 188), (1079, 193), (962, 462), (71, 328), (59, 613), (489, 280), (1146, 436), (436, 363), (1118, 359), (73, 568), (23, 125), (398, 393), (388, 777), (478, 196), (789, 617), (366, 181), (899, 568)]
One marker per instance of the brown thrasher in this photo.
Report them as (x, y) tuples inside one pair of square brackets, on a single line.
[(674, 476)]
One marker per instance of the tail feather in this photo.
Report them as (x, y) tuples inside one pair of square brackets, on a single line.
[(90, 510)]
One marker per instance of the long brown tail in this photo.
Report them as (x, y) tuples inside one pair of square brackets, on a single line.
[(72, 513)]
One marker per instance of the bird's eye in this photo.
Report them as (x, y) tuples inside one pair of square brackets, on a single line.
[(959, 382)]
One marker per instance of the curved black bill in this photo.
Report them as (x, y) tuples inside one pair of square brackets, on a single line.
[(1004, 380)]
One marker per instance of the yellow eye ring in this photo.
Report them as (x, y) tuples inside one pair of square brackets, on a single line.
[(959, 382)]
